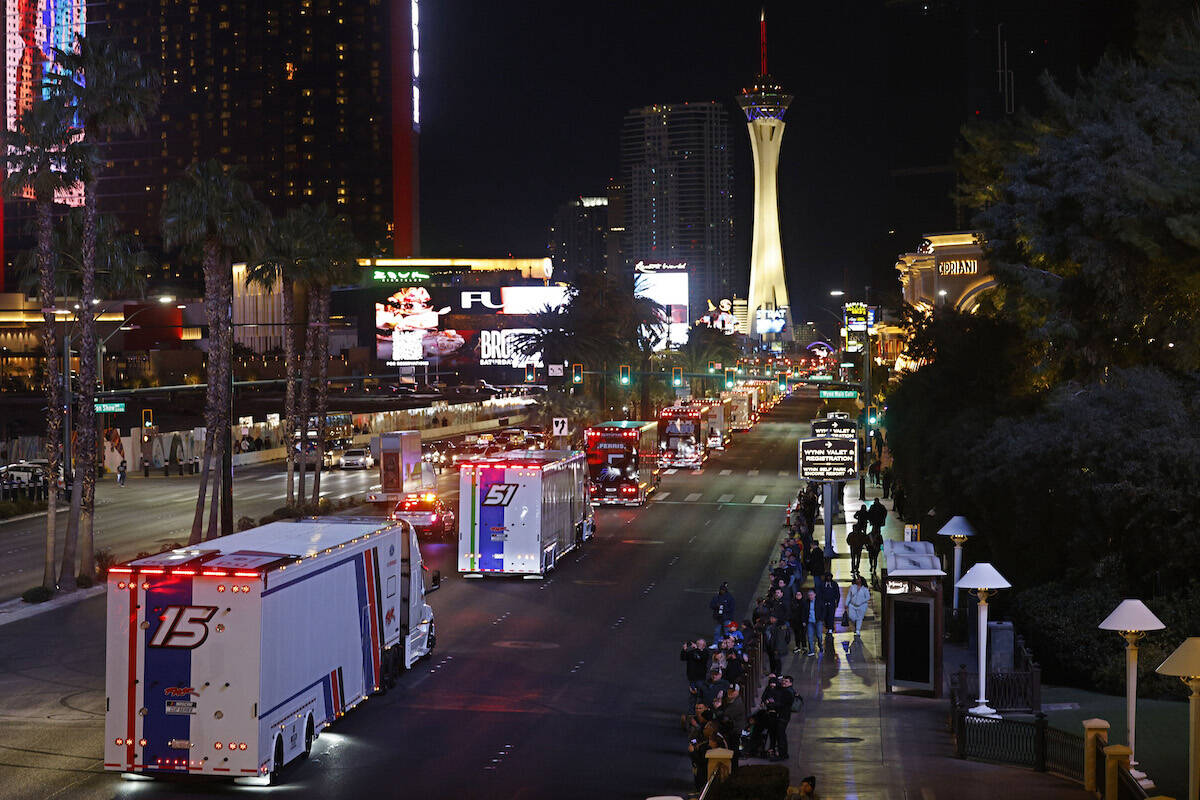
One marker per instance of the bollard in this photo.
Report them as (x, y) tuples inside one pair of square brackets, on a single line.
[(1116, 758), (166, 470), (720, 761), (145, 467), (1093, 729), (181, 469)]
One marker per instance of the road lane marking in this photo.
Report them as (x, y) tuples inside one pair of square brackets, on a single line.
[(691, 498), (759, 499), (726, 472), (725, 498), (752, 473), (671, 471), (271, 478), (783, 473), (662, 496)]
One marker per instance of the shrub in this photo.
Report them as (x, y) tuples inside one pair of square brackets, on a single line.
[(104, 560), (756, 782), (245, 524), (38, 594), (84, 581)]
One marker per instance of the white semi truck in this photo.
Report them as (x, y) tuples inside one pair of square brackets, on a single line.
[(402, 470), (522, 511), (228, 658)]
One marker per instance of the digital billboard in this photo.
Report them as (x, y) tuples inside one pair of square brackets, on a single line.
[(770, 320), (34, 29), (668, 288)]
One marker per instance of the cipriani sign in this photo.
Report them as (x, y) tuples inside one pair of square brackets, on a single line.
[(959, 266)]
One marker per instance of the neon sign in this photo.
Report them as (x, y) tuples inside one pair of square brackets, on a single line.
[(399, 276)]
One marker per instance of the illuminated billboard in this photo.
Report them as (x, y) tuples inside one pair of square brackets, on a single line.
[(770, 320), (667, 285), (34, 29)]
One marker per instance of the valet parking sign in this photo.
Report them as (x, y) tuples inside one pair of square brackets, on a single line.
[(828, 459)]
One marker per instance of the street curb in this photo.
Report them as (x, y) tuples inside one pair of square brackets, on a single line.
[(34, 515), (17, 610)]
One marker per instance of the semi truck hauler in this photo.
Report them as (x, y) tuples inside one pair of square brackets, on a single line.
[(683, 435), (720, 434), (622, 462), (522, 511), (402, 470), (228, 658)]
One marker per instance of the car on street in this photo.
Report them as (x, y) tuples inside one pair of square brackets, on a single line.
[(428, 515), (356, 458)]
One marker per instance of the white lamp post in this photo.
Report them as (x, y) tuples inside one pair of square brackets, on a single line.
[(1184, 664), (959, 530), (982, 580), (1131, 619)]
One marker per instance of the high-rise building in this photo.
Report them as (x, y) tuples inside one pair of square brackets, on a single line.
[(313, 101), (579, 238), (764, 104), (677, 175)]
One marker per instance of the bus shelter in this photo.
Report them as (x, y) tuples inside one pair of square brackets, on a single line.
[(911, 585)]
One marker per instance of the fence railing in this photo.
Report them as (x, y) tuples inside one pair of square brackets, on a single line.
[(1016, 691), (1064, 754), (1128, 788)]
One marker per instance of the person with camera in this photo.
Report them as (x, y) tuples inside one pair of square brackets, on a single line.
[(778, 698), (695, 656)]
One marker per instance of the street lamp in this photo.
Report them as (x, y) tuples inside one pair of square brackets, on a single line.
[(1131, 619), (1184, 664), (959, 530), (982, 580)]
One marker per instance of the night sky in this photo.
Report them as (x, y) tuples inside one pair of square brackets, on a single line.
[(523, 102)]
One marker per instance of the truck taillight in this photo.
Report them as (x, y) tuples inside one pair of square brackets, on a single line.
[(217, 745)]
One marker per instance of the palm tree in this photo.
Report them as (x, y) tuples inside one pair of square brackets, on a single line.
[(45, 157), (213, 215), (705, 345), (283, 263), (112, 93)]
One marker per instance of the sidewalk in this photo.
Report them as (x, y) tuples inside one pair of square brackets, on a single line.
[(861, 742)]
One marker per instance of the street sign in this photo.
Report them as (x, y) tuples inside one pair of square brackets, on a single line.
[(835, 429), (828, 459), (555, 370), (115, 407), (820, 377), (244, 421), (838, 394), (560, 427)]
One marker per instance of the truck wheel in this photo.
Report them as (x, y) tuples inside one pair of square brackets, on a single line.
[(308, 738), (277, 763), (432, 640)]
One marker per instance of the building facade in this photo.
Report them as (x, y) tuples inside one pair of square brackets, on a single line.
[(946, 270), (579, 238), (677, 178)]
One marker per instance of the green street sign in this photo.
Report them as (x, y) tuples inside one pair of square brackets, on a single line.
[(110, 408), (820, 377), (838, 394)]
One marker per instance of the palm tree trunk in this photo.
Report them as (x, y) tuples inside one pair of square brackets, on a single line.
[(211, 397), (322, 332), (88, 357), (66, 569), (53, 389), (289, 371), (224, 279), (306, 386)]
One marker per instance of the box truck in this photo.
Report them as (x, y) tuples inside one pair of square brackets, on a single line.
[(228, 658), (622, 461), (520, 512), (402, 470)]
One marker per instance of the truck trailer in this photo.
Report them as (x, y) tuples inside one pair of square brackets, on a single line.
[(522, 511), (683, 435), (228, 658), (402, 470), (622, 459)]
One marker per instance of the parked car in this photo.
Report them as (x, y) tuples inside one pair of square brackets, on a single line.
[(356, 458)]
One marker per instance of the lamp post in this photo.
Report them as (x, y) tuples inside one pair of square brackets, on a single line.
[(982, 580), (959, 530), (1184, 664), (1131, 619)]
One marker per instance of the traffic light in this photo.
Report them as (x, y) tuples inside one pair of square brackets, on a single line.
[(624, 374), (577, 373), (872, 416), (783, 381), (530, 373), (147, 418), (677, 376), (712, 367), (730, 377)]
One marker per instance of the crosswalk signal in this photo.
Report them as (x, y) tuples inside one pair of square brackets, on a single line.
[(677, 376), (577, 373), (730, 377), (530, 373), (147, 418), (624, 375)]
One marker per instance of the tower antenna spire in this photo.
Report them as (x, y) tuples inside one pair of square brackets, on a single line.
[(762, 41)]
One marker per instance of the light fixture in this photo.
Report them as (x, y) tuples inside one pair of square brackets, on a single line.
[(836, 293), (959, 530), (166, 298), (1131, 619), (941, 292), (982, 580), (1184, 664)]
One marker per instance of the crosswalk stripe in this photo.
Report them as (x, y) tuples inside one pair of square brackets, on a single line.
[(726, 472), (725, 498), (270, 478), (693, 497), (752, 473), (759, 498), (671, 471), (663, 495)]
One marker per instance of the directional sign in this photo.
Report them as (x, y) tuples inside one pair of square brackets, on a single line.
[(820, 378), (838, 394), (554, 370), (560, 428), (110, 408), (828, 459), (835, 429)]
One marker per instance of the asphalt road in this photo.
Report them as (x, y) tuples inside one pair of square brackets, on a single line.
[(568, 687)]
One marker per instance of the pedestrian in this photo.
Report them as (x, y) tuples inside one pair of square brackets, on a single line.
[(722, 606), (784, 698), (828, 598), (122, 471), (885, 478), (858, 598), (862, 516), (877, 514), (776, 639), (874, 545), (816, 564), (696, 657), (808, 787), (873, 472), (731, 718), (856, 540), (898, 500)]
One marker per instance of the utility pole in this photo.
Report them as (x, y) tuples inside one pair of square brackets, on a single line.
[(227, 461)]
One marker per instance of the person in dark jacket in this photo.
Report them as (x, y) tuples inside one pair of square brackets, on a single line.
[(898, 500), (799, 621), (696, 656), (828, 597), (874, 545), (856, 540), (815, 564), (776, 639), (731, 718), (886, 477), (722, 605), (877, 515)]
